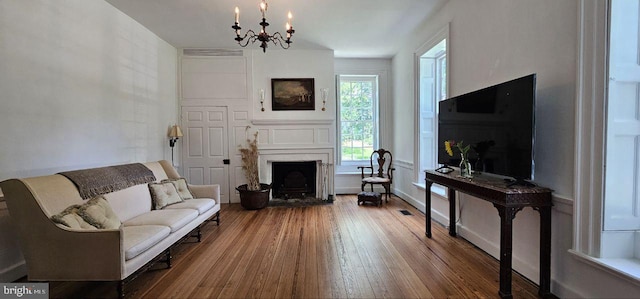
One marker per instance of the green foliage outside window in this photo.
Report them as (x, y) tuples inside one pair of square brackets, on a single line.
[(357, 119)]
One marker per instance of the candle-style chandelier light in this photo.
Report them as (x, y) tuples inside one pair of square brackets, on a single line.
[(263, 36)]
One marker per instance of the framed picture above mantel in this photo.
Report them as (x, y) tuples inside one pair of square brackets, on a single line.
[(293, 94)]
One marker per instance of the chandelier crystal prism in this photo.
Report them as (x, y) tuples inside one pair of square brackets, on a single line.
[(263, 37)]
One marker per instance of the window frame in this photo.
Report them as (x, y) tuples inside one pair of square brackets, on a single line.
[(590, 139), (439, 60), (351, 165), (439, 36)]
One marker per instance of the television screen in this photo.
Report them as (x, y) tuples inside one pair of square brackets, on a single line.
[(498, 123)]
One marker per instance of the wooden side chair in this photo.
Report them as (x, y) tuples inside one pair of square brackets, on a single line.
[(380, 161)]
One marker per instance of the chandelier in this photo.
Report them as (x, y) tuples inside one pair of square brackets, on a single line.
[(263, 36)]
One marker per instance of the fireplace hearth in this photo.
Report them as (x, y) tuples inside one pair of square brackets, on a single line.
[(294, 179)]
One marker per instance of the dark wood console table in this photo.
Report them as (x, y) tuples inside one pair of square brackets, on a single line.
[(508, 201)]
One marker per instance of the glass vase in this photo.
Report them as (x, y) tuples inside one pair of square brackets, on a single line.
[(465, 167)]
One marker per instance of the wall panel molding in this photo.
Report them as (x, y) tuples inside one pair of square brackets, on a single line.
[(291, 122)]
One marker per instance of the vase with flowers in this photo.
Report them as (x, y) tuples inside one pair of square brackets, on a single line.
[(465, 166)]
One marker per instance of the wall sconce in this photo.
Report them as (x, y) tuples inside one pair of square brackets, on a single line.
[(174, 135), (323, 93), (262, 100)]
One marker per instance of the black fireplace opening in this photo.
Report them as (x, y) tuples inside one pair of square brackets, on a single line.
[(294, 179)]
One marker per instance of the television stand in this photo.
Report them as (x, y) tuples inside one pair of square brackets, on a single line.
[(508, 201)]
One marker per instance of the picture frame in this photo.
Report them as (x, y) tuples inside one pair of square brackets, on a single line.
[(293, 94)]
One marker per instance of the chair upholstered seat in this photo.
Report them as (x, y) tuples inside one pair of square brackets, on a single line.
[(376, 180)]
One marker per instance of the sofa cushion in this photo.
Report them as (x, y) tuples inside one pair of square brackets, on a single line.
[(181, 187), (130, 202), (139, 238), (174, 219), (70, 218), (98, 213), (200, 204), (164, 194)]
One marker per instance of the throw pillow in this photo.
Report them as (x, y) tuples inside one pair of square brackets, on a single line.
[(98, 213), (182, 187), (164, 194), (70, 218)]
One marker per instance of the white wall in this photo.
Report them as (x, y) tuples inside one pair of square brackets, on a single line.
[(296, 134), (316, 64), (83, 85), (492, 42)]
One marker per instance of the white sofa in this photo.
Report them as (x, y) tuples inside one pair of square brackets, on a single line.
[(54, 252)]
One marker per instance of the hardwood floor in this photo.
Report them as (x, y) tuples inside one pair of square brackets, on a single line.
[(340, 250)]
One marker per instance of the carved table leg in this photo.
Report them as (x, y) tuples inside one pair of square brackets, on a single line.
[(427, 208), (506, 247), (452, 212), (545, 251)]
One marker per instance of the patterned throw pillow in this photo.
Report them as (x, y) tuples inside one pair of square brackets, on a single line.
[(98, 213), (182, 187), (164, 194), (70, 218)]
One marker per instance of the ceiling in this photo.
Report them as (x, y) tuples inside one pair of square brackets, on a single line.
[(352, 28)]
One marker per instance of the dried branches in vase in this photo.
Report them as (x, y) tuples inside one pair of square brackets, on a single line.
[(250, 163), (253, 195)]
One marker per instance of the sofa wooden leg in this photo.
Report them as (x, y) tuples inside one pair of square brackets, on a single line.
[(199, 234), (121, 289), (216, 218), (168, 260)]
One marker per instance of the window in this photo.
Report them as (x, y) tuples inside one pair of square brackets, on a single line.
[(431, 63), (622, 158), (607, 204), (441, 72), (358, 118)]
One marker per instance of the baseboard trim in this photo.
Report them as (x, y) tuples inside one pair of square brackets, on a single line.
[(435, 215), (529, 271), (410, 200), (562, 291)]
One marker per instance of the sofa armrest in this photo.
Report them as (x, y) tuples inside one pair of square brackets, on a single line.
[(83, 255), (56, 253), (206, 191)]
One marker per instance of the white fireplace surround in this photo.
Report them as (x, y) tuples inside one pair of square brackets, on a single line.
[(319, 155)]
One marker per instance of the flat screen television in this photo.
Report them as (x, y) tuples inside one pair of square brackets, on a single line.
[(499, 124)]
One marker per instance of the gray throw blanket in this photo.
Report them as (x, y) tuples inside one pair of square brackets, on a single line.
[(97, 181)]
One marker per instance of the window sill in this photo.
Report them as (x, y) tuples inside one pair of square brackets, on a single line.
[(435, 188), (346, 172), (627, 269)]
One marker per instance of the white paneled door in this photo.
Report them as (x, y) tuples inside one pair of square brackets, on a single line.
[(205, 147)]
